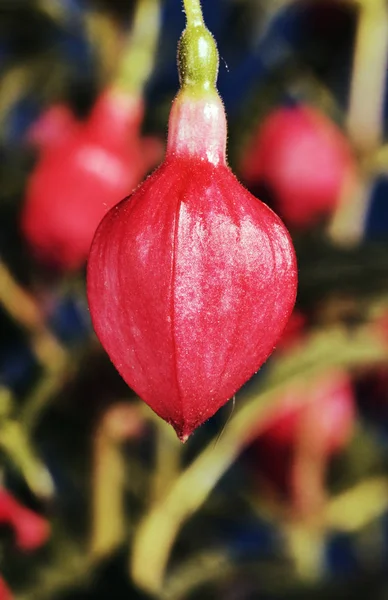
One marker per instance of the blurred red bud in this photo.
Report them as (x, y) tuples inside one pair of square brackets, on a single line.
[(31, 530), (79, 180), (324, 414), (56, 125), (304, 159), (5, 592)]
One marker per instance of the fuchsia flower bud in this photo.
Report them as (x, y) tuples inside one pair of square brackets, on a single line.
[(304, 159), (78, 180), (53, 127), (31, 530), (325, 421), (330, 413), (191, 279), (5, 592)]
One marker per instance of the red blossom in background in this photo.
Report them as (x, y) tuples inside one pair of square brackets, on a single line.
[(56, 125), (82, 175), (31, 530), (304, 159), (318, 427), (5, 592)]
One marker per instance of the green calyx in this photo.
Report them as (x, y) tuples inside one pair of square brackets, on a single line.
[(197, 58)]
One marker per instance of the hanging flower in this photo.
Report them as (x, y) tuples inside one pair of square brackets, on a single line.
[(314, 422), (304, 159), (5, 592), (53, 127), (78, 180), (191, 280), (86, 168), (31, 530)]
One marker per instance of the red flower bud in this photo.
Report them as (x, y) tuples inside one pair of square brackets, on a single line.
[(304, 159), (330, 413), (53, 127), (80, 179), (31, 530), (191, 279), (5, 592), (327, 417)]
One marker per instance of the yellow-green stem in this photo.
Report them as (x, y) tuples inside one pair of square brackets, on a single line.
[(108, 520), (23, 308), (18, 448), (197, 53), (139, 52), (168, 459), (365, 118), (193, 12)]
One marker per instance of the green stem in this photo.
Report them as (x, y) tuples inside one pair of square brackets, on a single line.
[(168, 459), (365, 118), (139, 52), (193, 12), (108, 527), (197, 52)]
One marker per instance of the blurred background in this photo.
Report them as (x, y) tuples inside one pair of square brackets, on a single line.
[(283, 494)]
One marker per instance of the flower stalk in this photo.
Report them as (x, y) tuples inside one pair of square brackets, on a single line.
[(365, 117), (193, 10), (139, 52), (197, 52)]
